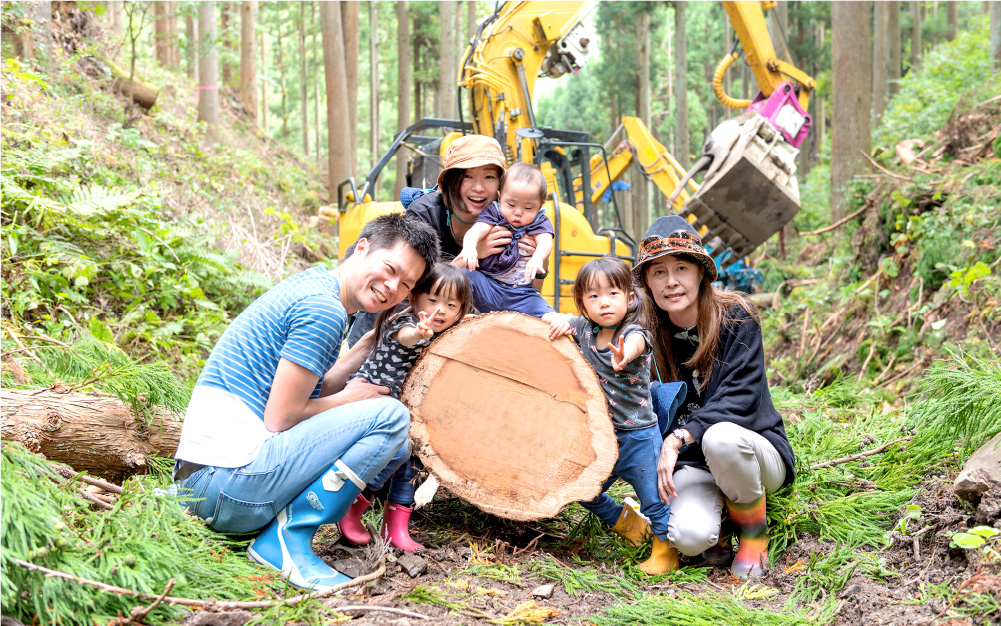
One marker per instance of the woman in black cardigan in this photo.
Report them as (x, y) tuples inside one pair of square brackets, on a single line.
[(724, 441)]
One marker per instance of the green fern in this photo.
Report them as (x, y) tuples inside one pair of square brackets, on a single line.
[(96, 199), (960, 402), (107, 367)]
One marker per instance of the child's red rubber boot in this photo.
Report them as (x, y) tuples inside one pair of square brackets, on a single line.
[(352, 529), (395, 531)]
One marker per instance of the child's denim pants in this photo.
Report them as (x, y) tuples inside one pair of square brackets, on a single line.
[(401, 472), (637, 465)]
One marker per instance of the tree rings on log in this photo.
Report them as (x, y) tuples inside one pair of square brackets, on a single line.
[(508, 420)]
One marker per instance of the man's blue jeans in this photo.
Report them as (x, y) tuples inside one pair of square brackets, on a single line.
[(364, 435), (637, 465)]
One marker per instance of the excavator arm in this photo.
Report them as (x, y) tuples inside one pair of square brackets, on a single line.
[(511, 49)]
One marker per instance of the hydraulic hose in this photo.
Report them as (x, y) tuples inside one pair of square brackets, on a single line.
[(725, 100)]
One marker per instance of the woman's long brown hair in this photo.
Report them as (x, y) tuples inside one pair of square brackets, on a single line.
[(714, 308)]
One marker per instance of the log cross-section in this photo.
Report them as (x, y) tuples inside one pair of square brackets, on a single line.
[(94, 434), (508, 420)]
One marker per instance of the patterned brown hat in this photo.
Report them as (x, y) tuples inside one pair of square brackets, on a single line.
[(471, 151), (673, 234)]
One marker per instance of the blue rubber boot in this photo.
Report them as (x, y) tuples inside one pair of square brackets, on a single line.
[(287, 543)]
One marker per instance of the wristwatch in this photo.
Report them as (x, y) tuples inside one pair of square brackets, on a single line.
[(681, 434)]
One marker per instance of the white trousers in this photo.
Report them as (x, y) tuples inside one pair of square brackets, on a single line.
[(743, 466)]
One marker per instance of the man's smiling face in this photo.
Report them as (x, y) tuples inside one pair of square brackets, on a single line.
[(379, 279)]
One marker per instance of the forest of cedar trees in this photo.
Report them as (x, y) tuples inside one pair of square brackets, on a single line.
[(164, 164)]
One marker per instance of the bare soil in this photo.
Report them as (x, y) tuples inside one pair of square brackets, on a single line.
[(921, 581)]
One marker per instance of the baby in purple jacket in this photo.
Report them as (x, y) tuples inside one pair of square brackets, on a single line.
[(503, 281)]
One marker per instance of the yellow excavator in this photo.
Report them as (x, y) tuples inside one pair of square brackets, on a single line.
[(749, 190)]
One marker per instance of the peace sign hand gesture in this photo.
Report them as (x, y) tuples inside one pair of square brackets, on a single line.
[(619, 359), (424, 325)]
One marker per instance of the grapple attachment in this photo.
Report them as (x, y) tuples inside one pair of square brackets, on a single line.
[(749, 192)]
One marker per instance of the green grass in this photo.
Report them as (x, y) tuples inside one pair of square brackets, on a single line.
[(703, 608), (577, 581)]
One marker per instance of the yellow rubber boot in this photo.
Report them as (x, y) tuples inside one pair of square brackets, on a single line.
[(752, 554), (663, 558), (631, 526)]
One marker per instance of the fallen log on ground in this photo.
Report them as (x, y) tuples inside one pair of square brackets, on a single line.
[(509, 421), (94, 434), (144, 95)]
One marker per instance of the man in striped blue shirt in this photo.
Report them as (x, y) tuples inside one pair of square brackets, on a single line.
[(273, 437)]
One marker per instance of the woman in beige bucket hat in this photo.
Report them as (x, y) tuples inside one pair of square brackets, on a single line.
[(467, 183)]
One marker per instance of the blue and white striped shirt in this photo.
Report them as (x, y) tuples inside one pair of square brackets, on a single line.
[(301, 319)]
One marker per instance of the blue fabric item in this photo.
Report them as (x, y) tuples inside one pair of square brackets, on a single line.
[(500, 263), (361, 323), (300, 319), (667, 399), (364, 435), (400, 474), (616, 186), (637, 465), (287, 543), (489, 295), (409, 194)]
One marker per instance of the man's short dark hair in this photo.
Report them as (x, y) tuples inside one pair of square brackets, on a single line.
[(386, 231)]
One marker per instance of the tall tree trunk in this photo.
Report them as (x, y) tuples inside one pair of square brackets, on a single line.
[(952, 19), (915, 35), (264, 84), (303, 85), (851, 63), (117, 10), (418, 98), (821, 116), (208, 71), (173, 34), (807, 149), (681, 84), (349, 25), (317, 65), (227, 72), (446, 48), (642, 220), (281, 74), (373, 83), (191, 32), (338, 134), (893, 52), (880, 33), (248, 59), (995, 30), (43, 44), (403, 87), (471, 23), (161, 49)]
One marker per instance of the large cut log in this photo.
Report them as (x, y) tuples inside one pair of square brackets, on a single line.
[(509, 421), (94, 434)]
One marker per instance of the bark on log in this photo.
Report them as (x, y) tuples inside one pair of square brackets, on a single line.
[(144, 96), (94, 434), (509, 421)]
